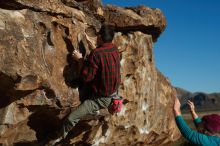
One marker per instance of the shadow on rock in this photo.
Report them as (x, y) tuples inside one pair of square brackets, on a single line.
[(44, 121), (35, 143), (79, 129), (71, 71), (8, 94)]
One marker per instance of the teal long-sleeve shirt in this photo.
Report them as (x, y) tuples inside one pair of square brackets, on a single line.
[(195, 137)]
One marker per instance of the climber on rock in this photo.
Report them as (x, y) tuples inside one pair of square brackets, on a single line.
[(102, 72)]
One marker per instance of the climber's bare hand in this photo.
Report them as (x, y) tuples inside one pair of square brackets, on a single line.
[(77, 55)]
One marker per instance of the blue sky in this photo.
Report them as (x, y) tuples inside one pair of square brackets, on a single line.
[(188, 51)]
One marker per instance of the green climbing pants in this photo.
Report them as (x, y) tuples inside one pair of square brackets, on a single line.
[(89, 106)]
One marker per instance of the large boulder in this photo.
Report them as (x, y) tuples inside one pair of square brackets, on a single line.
[(39, 83)]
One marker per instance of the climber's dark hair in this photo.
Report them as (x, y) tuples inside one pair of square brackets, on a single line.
[(107, 33)]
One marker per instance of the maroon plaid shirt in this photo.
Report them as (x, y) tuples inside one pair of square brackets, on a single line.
[(103, 70)]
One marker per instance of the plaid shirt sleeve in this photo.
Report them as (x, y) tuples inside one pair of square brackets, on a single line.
[(90, 68)]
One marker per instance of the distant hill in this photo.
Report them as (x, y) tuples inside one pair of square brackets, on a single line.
[(202, 101)]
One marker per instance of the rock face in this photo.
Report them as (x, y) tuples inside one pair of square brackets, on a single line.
[(39, 80)]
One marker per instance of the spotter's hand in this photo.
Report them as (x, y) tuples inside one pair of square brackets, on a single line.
[(76, 55), (176, 107), (191, 105)]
